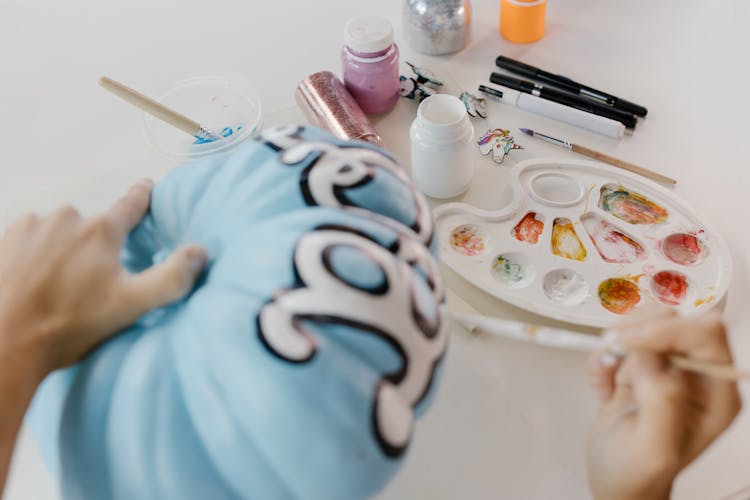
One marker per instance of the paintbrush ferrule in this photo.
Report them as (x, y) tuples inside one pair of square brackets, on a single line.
[(554, 140), (206, 134)]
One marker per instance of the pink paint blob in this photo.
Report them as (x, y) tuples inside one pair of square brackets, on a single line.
[(684, 249), (613, 244), (468, 239)]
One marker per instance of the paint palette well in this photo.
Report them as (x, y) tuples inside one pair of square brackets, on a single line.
[(586, 243)]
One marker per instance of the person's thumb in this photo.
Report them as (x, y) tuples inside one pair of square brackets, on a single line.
[(662, 398), (164, 282)]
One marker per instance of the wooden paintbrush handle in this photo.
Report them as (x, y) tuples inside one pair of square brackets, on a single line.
[(725, 372), (623, 164), (151, 106)]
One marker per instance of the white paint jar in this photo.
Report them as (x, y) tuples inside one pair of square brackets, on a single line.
[(442, 140)]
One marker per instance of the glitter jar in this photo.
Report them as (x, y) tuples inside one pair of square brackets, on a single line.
[(326, 103), (436, 27), (442, 144), (370, 64)]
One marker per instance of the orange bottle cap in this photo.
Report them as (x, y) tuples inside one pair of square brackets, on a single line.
[(522, 21)]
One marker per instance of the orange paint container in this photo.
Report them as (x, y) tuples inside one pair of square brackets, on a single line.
[(522, 21)]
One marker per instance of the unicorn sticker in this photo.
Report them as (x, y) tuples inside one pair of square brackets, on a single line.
[(497, 144)]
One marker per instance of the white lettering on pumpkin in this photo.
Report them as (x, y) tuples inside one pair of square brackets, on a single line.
[(395, 316)]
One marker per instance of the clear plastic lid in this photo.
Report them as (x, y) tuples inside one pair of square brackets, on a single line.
[(225, 105)]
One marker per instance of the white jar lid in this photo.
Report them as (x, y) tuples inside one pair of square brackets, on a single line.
[(368, 34)]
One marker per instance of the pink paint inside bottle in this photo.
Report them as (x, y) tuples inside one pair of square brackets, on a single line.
[(370, 64)]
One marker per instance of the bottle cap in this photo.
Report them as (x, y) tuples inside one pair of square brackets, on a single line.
[(522, 21), (368, 34)]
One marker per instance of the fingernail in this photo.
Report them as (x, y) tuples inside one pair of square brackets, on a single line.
[(197, 264), (146, 182), (198, 261), (612, 341), (608, 360)]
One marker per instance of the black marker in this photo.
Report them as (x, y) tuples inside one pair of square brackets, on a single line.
[(566, 83), (565, 98)]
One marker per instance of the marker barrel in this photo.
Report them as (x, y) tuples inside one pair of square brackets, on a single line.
[(560, 112)]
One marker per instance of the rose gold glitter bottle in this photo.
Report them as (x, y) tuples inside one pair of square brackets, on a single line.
[(326, 103)]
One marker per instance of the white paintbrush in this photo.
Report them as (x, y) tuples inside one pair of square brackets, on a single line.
[(158, 110), (568, 339), (461, 312)]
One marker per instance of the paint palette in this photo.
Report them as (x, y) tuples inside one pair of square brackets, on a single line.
[(586, 243)]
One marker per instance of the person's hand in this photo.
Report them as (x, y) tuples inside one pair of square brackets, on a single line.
[(63, 289), (655, 419)]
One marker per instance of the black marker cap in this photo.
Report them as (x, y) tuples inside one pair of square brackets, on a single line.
[(511, 83), (516, 67)]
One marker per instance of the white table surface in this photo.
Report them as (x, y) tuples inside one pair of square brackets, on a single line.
[(510, 419)]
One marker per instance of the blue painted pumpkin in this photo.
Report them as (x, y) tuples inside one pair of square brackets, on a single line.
[(298, 363)]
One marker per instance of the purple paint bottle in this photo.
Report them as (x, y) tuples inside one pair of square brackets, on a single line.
[(370, 64)]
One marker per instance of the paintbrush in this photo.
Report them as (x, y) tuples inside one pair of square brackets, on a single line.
[(601, 157), (159, 110), (568, 339)]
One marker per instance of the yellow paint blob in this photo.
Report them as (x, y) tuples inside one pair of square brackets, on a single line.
[(565, 241)]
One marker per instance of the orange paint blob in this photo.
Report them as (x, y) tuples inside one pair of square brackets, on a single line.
[(619, 295), (706, 300), (630, 206), (529, 228)]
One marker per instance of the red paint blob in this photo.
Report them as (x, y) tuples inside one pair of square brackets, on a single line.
[(669, 287), (684, 249)]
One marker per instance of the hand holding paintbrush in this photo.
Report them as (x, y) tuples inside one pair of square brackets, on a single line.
[(655, 418), (667, 388), (610, 344)]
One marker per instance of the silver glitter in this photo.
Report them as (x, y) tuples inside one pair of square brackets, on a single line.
[(436, 27)]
